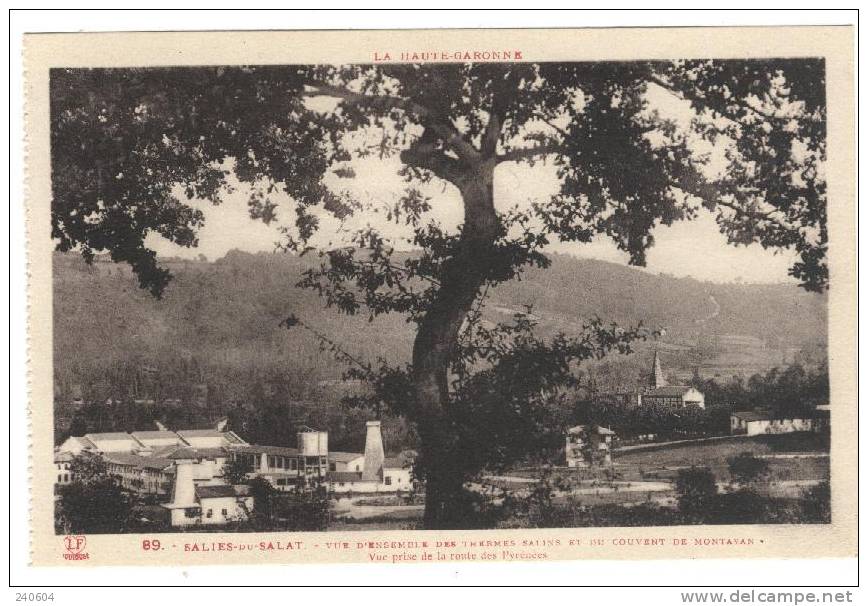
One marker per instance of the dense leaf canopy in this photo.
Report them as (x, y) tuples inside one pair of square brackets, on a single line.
[(129, 145)]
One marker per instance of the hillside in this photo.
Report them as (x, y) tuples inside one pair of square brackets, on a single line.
[(216, 332)]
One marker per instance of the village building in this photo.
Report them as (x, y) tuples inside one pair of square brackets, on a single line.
[(62, 462), (142, 474), (198, 490), (672, 396), (762, 422), (656, 392), (346, 461), (224, 504), (186, 468), (589, 446)]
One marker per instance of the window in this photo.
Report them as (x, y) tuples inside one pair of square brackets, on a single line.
[(224, 512), (60, 478), (332, 467), (66, 477), (388, 480), (209, 513), (192, 512), (294, 464)]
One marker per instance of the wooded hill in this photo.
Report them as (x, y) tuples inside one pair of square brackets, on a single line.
[(214, 339)]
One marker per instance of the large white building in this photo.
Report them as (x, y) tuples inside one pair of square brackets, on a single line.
[(187, 468)]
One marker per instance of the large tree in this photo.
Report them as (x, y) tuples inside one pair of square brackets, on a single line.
[(127, 142)]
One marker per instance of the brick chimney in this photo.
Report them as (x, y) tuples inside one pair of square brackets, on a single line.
[(374, 455)]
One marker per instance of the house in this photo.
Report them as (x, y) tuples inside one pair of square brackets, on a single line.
[(196, 493), (223, 504), (398, 474), (760, 422), (673, 396), (587, 446), (62, 462)]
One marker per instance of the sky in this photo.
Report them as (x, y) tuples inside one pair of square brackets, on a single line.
[(686, 249)]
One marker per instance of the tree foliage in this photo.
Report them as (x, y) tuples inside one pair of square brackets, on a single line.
[(94, 502), (129, 144)]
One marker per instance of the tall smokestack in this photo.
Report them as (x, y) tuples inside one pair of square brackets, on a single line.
[(374, 455)]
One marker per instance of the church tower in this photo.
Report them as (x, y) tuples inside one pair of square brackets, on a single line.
[(657, 379)]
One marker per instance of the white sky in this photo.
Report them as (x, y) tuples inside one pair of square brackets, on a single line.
[(690, 248)]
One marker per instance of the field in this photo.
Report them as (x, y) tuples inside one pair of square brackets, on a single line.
[(640, 475)]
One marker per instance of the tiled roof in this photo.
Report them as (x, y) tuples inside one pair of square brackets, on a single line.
[(137, 460), (197, 453), (344, 476), (765, 415), (201, 433), (221, 491), (753, 415), (184, 453), (165, 451), (210, 433), (345, 457), (280, 451)]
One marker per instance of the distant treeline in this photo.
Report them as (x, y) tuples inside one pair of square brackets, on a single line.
[(213, 341)]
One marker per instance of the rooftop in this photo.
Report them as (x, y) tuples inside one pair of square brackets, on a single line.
[(122, 458), (281, 451), (115, 435), (197, 453), (345, 457), (767, 415), (344, 476), (145, 435), (221, 491)]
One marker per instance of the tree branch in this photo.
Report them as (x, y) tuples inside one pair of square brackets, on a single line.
[(446, 131), (749, 108), (529, 153)]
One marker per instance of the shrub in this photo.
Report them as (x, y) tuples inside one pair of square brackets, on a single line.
[(696, 488)]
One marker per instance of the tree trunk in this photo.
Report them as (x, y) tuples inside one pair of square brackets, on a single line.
[(462, 277)]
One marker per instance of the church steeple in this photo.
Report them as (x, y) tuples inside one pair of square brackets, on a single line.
[(657, 379)]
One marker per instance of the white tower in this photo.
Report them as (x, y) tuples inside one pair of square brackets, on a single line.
[(374, 454)]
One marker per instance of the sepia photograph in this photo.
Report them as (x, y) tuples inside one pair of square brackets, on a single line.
[(397, 297), (412, 296)]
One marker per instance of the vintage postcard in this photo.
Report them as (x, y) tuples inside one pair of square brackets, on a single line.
[(441, 296)]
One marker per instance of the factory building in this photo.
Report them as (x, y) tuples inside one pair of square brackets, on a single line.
[(187, 468), (371, 472)]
